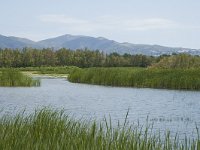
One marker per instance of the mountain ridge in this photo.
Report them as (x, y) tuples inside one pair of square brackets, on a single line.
[(93, 43)]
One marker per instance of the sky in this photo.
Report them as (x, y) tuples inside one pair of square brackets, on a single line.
[(174, 23)]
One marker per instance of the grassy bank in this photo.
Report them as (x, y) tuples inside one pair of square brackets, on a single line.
[(186, 79), (14, 78), (49, 70), (47, 129), (139, 77)]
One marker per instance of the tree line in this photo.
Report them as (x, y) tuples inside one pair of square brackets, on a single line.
[(29, 57), (181, 61)]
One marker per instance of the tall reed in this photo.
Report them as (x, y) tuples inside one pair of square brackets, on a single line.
[(139, 77), (49, 129), (13, 77)]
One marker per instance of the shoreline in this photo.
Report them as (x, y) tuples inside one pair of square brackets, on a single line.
[(37, 74)]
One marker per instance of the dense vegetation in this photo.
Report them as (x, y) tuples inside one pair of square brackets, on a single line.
[(172, 72), (81, 58), (47, 129), (181, 61), (13, 77), (29, 57), (139, 77)]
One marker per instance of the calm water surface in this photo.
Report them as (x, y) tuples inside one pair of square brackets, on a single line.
[(177, 111)]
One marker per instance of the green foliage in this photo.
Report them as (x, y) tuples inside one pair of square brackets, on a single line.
[(139, 77), (48, 129), (29, 57), (181, 61), (13, 77)]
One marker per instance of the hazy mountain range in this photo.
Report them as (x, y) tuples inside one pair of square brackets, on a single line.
[(81, 42)]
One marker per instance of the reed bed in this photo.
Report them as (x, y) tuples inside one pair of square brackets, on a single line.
[(186, 79), (52, 129), (14, 78)]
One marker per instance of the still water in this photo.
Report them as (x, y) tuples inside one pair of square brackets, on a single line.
[(177, 111)]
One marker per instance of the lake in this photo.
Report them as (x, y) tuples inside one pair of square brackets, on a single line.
[(177, 111)]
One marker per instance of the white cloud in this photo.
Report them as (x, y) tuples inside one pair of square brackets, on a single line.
[(110, 23), (61, 19), (71, 23), (151, 23)]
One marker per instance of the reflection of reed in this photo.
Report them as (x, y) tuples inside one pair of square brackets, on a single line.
[(174, 119)]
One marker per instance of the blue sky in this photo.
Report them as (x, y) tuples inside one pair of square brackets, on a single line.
[(173, 23)]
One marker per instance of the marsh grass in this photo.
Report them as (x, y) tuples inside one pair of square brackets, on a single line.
[(187, 79), (13, 78), (52, 129), (50, 70)]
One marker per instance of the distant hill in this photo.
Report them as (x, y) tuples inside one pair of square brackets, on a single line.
[(16, 42), (92, 43)]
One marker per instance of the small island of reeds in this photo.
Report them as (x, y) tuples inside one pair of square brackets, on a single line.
[(14, 78), (186, 79)]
